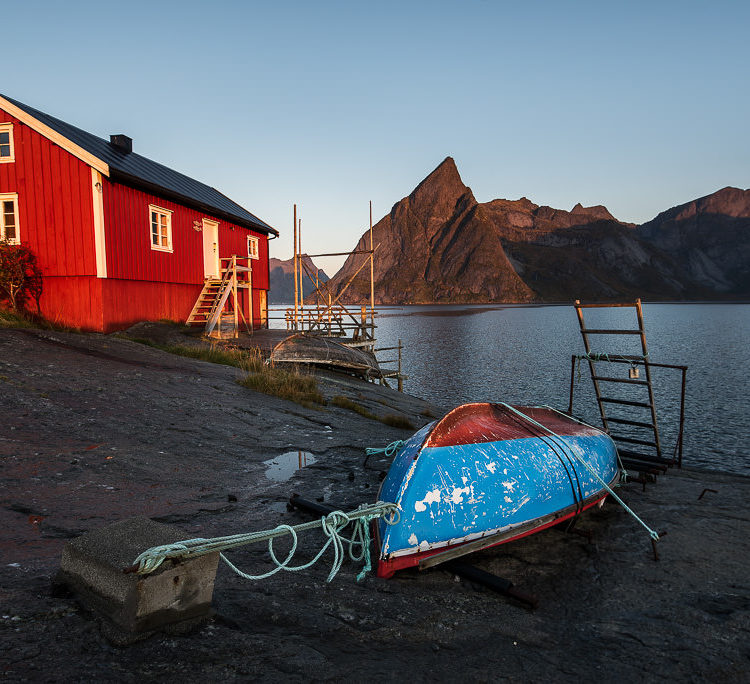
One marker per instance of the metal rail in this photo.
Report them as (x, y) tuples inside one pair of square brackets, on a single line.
[(622, 421)]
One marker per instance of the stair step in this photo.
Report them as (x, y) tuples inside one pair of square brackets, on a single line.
[(612, 332), (646, 458), (626, 381), (636, 423), (625, 402), (632, 440)]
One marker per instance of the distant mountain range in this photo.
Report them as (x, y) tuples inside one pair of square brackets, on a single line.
[(282, 279), (440, 245)]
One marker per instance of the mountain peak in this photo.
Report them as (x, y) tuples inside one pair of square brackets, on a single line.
[(444, 177), (599, 212), (436, 198)]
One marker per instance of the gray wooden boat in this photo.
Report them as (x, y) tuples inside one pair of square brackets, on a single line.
[(302, 348)]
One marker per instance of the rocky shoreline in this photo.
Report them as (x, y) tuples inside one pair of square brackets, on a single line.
[(97, 429)]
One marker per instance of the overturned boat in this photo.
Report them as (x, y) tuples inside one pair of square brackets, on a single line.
[(324, 352), (486, 474)]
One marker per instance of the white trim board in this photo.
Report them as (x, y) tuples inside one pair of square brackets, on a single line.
[(52, 135), (100, 244)]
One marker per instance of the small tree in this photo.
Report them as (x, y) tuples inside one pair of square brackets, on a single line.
[(20, 276)]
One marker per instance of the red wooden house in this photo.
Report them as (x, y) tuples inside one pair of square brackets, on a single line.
[(119, 238)]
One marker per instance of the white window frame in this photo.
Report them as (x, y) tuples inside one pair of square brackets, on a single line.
[(167, 213), (8, 128), (13, 197), (254, 252)]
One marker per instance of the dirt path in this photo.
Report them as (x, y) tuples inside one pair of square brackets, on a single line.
[(96, 429)]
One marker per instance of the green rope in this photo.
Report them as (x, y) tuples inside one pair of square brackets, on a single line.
[(389, 451), (332, 526), (624, 473), (654, 535)]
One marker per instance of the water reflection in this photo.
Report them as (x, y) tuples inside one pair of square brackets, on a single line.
[(282, 467)]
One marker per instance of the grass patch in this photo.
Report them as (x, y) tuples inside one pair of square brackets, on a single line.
[(291, 385), (346, 403), (250, 360), (388, 419), (397, 421), (9, 319), (277, 382)]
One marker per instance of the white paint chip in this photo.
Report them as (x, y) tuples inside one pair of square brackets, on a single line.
[(431, 498)]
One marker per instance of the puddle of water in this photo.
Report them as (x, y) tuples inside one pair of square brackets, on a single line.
[(278, 506), (281, 468)]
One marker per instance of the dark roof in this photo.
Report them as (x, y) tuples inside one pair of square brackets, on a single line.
[(133, 169)]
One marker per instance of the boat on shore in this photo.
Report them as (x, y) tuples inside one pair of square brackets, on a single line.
[(324, 352), (486, 474)]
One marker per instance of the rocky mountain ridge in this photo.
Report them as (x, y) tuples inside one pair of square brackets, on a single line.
[(282, 279), (440, 245)]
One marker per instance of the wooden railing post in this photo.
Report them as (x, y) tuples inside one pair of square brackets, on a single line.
[(234, 296), (400, 376)]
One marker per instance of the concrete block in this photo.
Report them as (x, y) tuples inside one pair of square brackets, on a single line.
[(173, 598)]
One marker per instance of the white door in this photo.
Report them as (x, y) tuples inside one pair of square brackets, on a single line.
[(210, 249)]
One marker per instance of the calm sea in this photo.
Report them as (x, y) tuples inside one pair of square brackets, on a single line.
[(522, 355)]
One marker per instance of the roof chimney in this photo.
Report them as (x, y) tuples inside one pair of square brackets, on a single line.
[(122, 143)]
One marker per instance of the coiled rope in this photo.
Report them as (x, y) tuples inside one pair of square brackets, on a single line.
[(332, 526), (391, 450)]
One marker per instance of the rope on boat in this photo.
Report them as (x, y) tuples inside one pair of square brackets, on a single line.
[(332, 526), (389, 451), (653, 533), (625, 474)]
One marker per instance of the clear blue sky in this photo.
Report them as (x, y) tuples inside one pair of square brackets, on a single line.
[(635, 105)]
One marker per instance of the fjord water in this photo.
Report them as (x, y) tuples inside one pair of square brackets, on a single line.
[(522, 355)]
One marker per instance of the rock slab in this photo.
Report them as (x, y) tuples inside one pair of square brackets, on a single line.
[(174, 598)]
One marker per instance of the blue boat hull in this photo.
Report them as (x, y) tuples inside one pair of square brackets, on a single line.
[(450, 494)]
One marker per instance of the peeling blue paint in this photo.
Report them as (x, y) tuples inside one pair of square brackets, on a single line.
[(449, 493)]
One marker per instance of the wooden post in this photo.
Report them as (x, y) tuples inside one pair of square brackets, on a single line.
[(300, 270), (644, 348), (602, 412), (294, 265), (234, 296), (372, 279), (250, 295), (400, 376)]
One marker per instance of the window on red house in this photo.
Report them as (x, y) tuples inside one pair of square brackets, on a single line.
[(252, 247), (161, 228), (6, 143), (9, 218)]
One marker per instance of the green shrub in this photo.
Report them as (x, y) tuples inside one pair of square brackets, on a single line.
[(20, 276)]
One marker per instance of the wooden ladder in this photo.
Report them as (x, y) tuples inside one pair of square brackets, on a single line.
[(210, 303), (648, 462)]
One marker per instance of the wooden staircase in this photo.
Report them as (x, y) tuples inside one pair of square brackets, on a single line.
[(214, 306), (207, 301)]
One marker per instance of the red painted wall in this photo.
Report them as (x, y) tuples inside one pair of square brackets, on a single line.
[(127, 225), (55, 217), (56, 220), (54, 202)]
